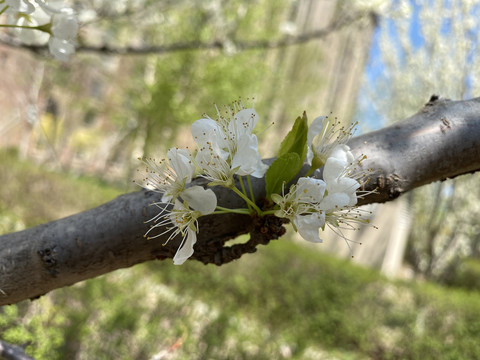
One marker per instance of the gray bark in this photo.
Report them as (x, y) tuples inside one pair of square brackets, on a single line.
[(441, 141), (12, 352)]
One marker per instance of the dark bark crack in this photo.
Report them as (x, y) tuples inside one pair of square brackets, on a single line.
[(264, 229)]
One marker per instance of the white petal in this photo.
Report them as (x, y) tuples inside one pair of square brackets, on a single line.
[(310, 189), (181, 162), (343, 153), (23, 6), (202, 158), (308, 226), (335, 201), (209, 136), (186, 248), (200, 199), (177, 206), (202, 130), (65, 25), (28, 36), (345, 184), (333, 169), (315, 128), (248, 158), (353, 199), (260, 169), (309, 155), (61, 49), (167, 198), (245, 121)]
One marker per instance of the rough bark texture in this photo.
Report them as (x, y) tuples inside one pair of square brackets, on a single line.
[(442, 140)]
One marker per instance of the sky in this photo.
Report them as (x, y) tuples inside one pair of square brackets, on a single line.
[(376, 71)]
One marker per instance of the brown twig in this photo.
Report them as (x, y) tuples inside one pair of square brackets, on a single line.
[(195, 45)]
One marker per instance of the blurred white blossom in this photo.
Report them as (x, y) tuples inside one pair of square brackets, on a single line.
[(59, 20)]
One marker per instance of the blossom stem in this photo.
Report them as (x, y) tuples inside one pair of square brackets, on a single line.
[(243, 189), (223, 210), (3, 10), (21, 26), (269, 212), (247, 200), (317, 163), (310, 171), (250, 188)]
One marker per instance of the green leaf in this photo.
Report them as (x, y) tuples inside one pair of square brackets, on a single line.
[(282, 170), (296, 139)]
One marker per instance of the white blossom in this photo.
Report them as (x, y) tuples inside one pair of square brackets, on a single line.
[(324, 134), (309, 225), (60, 23), (61, 49), (227, 145), (29, 36), (171, 175), (18, 6), (300, 205), (341, 189), (343, 178), (64, 24), (64, 28), (312, 204), (182, 220)]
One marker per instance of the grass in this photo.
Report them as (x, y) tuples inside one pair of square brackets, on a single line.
[(285, 301), (34, 195)]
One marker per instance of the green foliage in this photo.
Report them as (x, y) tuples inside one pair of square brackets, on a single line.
[(291, 156), (281, 172), (37, 326), (296, 139), (446, 324), (180, 86), (26, 187), (467, 274), (179, 92)]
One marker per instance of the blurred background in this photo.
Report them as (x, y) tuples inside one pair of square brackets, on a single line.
[(71, 133)]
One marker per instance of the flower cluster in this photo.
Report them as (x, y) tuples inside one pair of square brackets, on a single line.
[(226, 148), (311, 203), (36, 22), (227, 145)]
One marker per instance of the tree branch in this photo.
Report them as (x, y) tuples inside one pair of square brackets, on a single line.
[(12, 352), (441, 141), (196, 45)]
